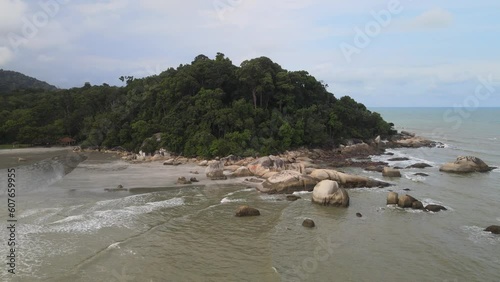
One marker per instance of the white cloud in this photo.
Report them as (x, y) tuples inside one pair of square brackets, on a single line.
[(11, 13), (5, 55), (432, 19)]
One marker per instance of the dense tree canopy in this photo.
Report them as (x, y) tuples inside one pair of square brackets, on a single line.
[(207, 108)]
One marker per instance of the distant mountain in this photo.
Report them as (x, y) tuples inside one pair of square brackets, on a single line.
[(12, 81)]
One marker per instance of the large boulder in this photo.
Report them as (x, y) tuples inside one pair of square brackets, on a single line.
[(328, 193), (287, 181), (465, 164), (392, 198), (419, 165), (347, 180), (264, 165), (406, 201), (215, 170), (246, 211), (309, 223), (391, 172), (242, 171), (495, 229)]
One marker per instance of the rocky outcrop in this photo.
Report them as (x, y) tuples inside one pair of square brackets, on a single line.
[(263, 166), (495, 229), (309, 223), (347, 180), (328, 193), (392, 198), (287, 181), (466, 164), (414, 142), (203, 163), (215, 170), (391, 172), (419, 165), (246, 211)]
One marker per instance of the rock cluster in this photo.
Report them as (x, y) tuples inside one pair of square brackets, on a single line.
[(465, 164), (407, 201)]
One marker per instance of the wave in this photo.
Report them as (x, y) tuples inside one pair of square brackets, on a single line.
[(227, 200), (477, 235), (414, 178)]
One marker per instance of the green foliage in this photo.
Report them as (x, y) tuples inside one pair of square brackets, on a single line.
[(207, 108)]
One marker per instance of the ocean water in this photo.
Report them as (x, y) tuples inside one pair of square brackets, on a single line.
[(70, 229)]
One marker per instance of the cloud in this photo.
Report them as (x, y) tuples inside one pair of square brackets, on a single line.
[(11, 13), (432, 19), (5, 55)]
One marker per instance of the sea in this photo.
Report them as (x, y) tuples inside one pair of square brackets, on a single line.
[(69, 228)]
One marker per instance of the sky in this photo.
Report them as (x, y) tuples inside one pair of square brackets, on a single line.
[(383, 53)]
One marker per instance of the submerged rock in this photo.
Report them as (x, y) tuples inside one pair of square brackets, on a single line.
[(398, 159), (359, 214), (465, 164), (419, 165), (435, 208), (309, 223), (246, 211), (292, 198), (421, 174), (495, 229), (328, 193), (193, 179), (391, 172)]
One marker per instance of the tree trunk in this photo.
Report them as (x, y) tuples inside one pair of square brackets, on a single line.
[(254, 99)]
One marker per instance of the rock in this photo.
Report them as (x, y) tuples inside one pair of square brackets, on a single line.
[(193, 179), (374, 168), (421, 174), (398, 159), (264, 165), (396, 167), (435, 208), (419, 165), (347, 180), (415, 142), (247, 211), (417, 205), (194, 172), (292, 198), (406, 189), (119, 186), (466, 164), (358, 149), (392, 198), (406, 201), (359, 214), (21, 159), (391, 172), (231, 168), (183, 180), (203, 163), (169, 162), (242, 171), (309, 223), (328, 193), (389, 154), (406, 133), (157, 157), (215, 170), (288, 181), (495, 229)]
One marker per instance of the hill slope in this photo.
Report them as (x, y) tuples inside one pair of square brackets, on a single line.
[(12, 81)]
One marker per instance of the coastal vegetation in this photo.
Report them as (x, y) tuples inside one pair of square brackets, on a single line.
[(207, 108)]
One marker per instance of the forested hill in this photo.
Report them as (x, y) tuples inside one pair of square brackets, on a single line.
[(12, 81), (207, 108)]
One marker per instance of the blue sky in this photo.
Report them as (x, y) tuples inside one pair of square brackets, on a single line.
[(381, 53)]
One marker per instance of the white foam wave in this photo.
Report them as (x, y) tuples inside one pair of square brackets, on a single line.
[(114, 246), (414, 178), (95, 220), (301, 192), (227, 200), (477, 235), (428, 201)]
